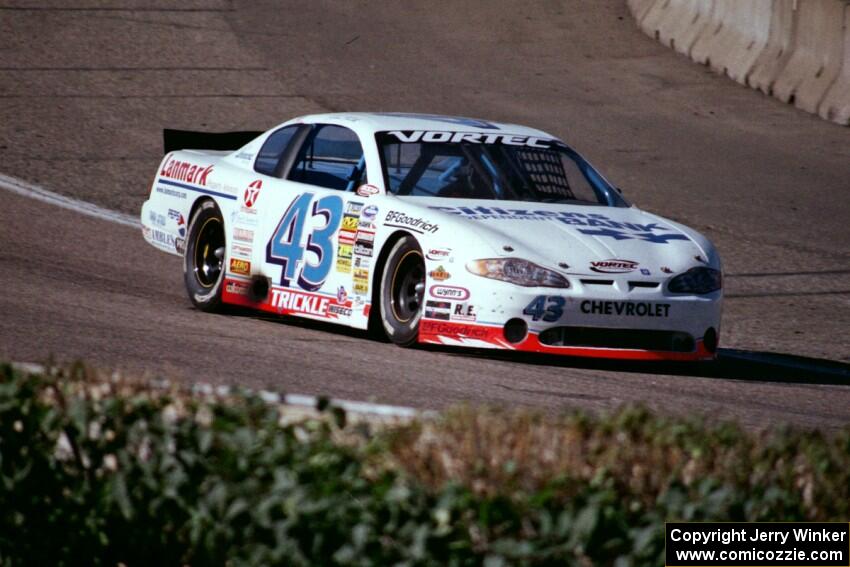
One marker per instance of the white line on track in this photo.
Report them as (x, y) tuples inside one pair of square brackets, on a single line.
[(40, 194), (25, 189)]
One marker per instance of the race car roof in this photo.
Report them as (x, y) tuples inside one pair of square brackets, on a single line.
[(378, 121)]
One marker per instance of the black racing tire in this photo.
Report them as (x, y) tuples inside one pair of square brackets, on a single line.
[(402, 292), (203, 259)]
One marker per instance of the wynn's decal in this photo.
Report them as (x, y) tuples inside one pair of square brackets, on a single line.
[(439, 136)]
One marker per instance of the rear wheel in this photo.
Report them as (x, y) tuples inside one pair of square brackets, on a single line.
[(402, 292), (203, 260)]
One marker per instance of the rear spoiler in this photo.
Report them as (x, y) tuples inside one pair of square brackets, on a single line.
[(188, 140)]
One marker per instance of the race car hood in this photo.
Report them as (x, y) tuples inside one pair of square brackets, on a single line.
[(588, 239)]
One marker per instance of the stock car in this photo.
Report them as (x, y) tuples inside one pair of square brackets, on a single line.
[(433, 229)]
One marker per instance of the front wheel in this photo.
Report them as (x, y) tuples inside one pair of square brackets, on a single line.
[(402, 290), (203, 260)]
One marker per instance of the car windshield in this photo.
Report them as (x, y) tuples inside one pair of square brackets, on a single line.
[(491, 167)]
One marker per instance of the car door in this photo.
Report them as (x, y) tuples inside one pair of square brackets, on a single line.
[(309, 229)]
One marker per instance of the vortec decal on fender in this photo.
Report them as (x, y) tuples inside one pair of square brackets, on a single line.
[(401, 220), (185, 171), (625, 308), (438, 253), (614, 266)]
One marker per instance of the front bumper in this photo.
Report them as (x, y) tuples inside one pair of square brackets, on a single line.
[(618, 321)]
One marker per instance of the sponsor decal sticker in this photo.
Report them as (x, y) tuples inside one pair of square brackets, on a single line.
[(238, 266), (369, 213), (243, 235), (366, 236), (453, 329), (353, 208), (437, 136), (349, 223), (245, 219), (241, 251), (341, 295), (293, 301), (400, 220), (362, 262), (645, 272), (463, 312), (613, 266), (625, 308), (440, 274), (449, 292), (363, 248), (343, 265), (186, 171), (592, 224), (252, 193), (361, 281), (157, 219), (238, 288), (163, 238), (438, 310), (367, 190), (438, 253), (666, 270), (171, 192), (343, 258)]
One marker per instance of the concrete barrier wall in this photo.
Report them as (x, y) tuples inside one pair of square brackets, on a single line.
[(795, 50), (836, 104)]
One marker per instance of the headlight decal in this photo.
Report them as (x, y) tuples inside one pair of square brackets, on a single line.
[(517, 271), (699, 280)]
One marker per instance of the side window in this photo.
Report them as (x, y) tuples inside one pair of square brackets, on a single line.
[(331, 157), (269, 157)]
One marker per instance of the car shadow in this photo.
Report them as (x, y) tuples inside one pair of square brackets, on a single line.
[(730, 364)]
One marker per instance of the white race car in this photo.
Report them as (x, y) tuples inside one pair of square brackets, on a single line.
[(434, 229)]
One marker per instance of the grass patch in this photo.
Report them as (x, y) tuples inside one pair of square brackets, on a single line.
[(100, 470)]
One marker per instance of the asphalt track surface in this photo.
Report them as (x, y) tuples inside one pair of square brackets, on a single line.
[(86, 88)]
